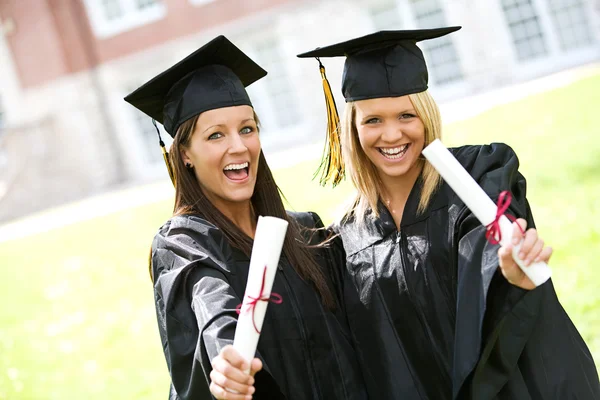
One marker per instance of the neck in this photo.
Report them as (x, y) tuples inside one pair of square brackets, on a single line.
[(395, 191), (241, 214)]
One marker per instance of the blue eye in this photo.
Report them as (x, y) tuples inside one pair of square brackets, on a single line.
[(246, 130), (407, 116), (215, 135), (372, 121)]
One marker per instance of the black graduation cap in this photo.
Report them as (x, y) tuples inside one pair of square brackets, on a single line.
[(382, 64), (214, 76)]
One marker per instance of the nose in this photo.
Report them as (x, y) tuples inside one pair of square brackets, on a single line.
[(391, 133), (236, 144)]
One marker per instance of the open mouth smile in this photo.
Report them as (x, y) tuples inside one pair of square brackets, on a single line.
[(237, 172), (394, 153)]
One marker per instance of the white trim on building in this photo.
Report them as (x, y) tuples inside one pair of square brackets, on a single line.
[(10, 90), (289, 100), (111, 17), (511, 40), (201, 2)]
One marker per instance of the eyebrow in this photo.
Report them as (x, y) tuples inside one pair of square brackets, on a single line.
[(409, 110), (221, 125), (213, 126), (368, 117), (406, 111)]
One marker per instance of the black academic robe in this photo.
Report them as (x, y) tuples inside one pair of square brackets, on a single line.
[(200, 279), (433, 318)]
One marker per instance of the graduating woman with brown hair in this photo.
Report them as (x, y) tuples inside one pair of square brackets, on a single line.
[(200, 257)]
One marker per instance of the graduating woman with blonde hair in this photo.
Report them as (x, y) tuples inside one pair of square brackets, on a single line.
[(436, 311)]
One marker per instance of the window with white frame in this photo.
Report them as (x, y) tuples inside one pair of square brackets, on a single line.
[(278, 94), (385, 16), (142, 4), (441, 56), (111, 9), (147, 135), (2, 117), (525, 29), (149, 138), (571, 23), (111, 17), (200, 2), (3, 157)]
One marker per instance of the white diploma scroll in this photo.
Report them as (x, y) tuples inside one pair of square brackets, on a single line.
[(480, 204), (268, 242)]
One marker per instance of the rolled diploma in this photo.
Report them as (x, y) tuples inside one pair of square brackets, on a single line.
[(480, 204), (268, 242)]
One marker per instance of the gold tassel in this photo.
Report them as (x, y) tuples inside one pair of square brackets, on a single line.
[(150, 265), (332, 166), (165, 154), (166, 158)]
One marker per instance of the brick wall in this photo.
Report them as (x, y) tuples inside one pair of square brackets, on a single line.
[(57, 35)]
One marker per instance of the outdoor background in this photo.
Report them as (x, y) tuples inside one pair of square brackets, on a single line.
[(83, 188)]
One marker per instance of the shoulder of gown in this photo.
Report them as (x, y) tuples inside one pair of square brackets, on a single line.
[(495, 167)]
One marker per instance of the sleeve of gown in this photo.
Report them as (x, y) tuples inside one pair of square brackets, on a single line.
[(496, 169), (196, 312), (520, 341)]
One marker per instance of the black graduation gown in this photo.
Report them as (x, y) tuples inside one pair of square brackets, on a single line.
[(433, 318), (200, 279)]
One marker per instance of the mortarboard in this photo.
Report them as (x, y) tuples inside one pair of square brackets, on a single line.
[(382, 64), (214, 76)]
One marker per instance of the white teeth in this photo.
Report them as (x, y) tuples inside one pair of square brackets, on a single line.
[(394, 151), (236, 166)]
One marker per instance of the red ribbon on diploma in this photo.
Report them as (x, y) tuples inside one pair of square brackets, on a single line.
[(274, 298), (493, 233)]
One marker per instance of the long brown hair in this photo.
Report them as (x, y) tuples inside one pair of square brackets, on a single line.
[(362, 171), (266, 200)]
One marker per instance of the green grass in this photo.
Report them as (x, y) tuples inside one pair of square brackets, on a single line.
[(77, 318)]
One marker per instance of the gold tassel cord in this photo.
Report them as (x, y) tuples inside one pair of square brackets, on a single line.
[(168, 163), (165, 154), (332, 166)]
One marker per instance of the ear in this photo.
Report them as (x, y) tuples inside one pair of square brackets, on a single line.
[(185, 156)]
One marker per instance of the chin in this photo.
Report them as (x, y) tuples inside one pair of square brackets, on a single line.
[(393, 173), (240, 195), (399, 170)]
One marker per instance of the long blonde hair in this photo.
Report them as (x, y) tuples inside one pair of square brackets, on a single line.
[(362, 171)]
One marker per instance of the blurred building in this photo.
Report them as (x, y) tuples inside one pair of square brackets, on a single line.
[(65, 66)]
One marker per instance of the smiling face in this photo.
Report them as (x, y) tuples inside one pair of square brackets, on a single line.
[(224, 152), (391, 135)]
